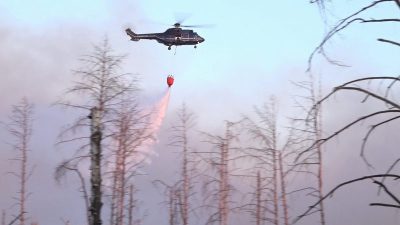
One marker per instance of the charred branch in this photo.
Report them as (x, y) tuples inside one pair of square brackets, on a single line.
[(331, 192)]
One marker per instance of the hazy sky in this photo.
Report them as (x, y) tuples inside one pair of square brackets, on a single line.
[(254, 50)]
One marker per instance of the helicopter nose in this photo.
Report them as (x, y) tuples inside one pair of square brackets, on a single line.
[(200, 39)]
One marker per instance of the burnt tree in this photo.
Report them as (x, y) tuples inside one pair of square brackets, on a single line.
[(385, 115), (217, 173), (100, 84), (131, 129), (180, 139), (20, 128)]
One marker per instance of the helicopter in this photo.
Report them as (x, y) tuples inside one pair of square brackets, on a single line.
[(172, 36)]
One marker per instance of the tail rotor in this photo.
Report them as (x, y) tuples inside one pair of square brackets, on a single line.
[(131, 34)]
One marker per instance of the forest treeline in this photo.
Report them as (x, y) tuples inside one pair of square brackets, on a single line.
[(252, 169), (113, 127)]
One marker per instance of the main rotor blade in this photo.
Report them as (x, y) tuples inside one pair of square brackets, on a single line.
[(200, 26), (180, 17)]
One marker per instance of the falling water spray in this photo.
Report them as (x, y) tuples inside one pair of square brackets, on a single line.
[(158, 116), (155, 122)]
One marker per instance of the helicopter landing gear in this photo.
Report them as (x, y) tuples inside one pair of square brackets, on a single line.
[(169, 47)]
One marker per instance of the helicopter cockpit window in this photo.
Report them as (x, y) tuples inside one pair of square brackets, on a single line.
[(185, 34)]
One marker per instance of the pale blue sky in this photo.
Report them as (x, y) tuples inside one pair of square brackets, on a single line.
[(254, 50)]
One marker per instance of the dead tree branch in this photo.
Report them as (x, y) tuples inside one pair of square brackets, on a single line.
[(389, 41), (344, 23), (20, 127), (330, 193)]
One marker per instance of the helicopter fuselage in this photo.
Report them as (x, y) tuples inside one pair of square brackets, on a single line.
[(173, 36)]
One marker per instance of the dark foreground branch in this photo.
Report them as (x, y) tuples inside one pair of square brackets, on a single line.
[(389, 41), (388, 192), (330, 193), (385, 205), (341, 130)]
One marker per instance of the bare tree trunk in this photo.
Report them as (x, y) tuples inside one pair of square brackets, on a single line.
[(173, 198), (95, 167), (104, 86), (258, 199), (173, 202), (275, 187), (320, 190), (185, 174), (114, 194), (272, 118), (275, 169), (171, 207), (121, 186), (218, 184), (130, 130), (118, 189), (23, 175), (317, 128), (283, 190), (314, 129), (265, 130), (121, 163), (224, 179), (131, 206), (180, 139), (186, 187), (116, 186), (20, 127)]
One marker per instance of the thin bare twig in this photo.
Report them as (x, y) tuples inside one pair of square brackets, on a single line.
[(330, 193)]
